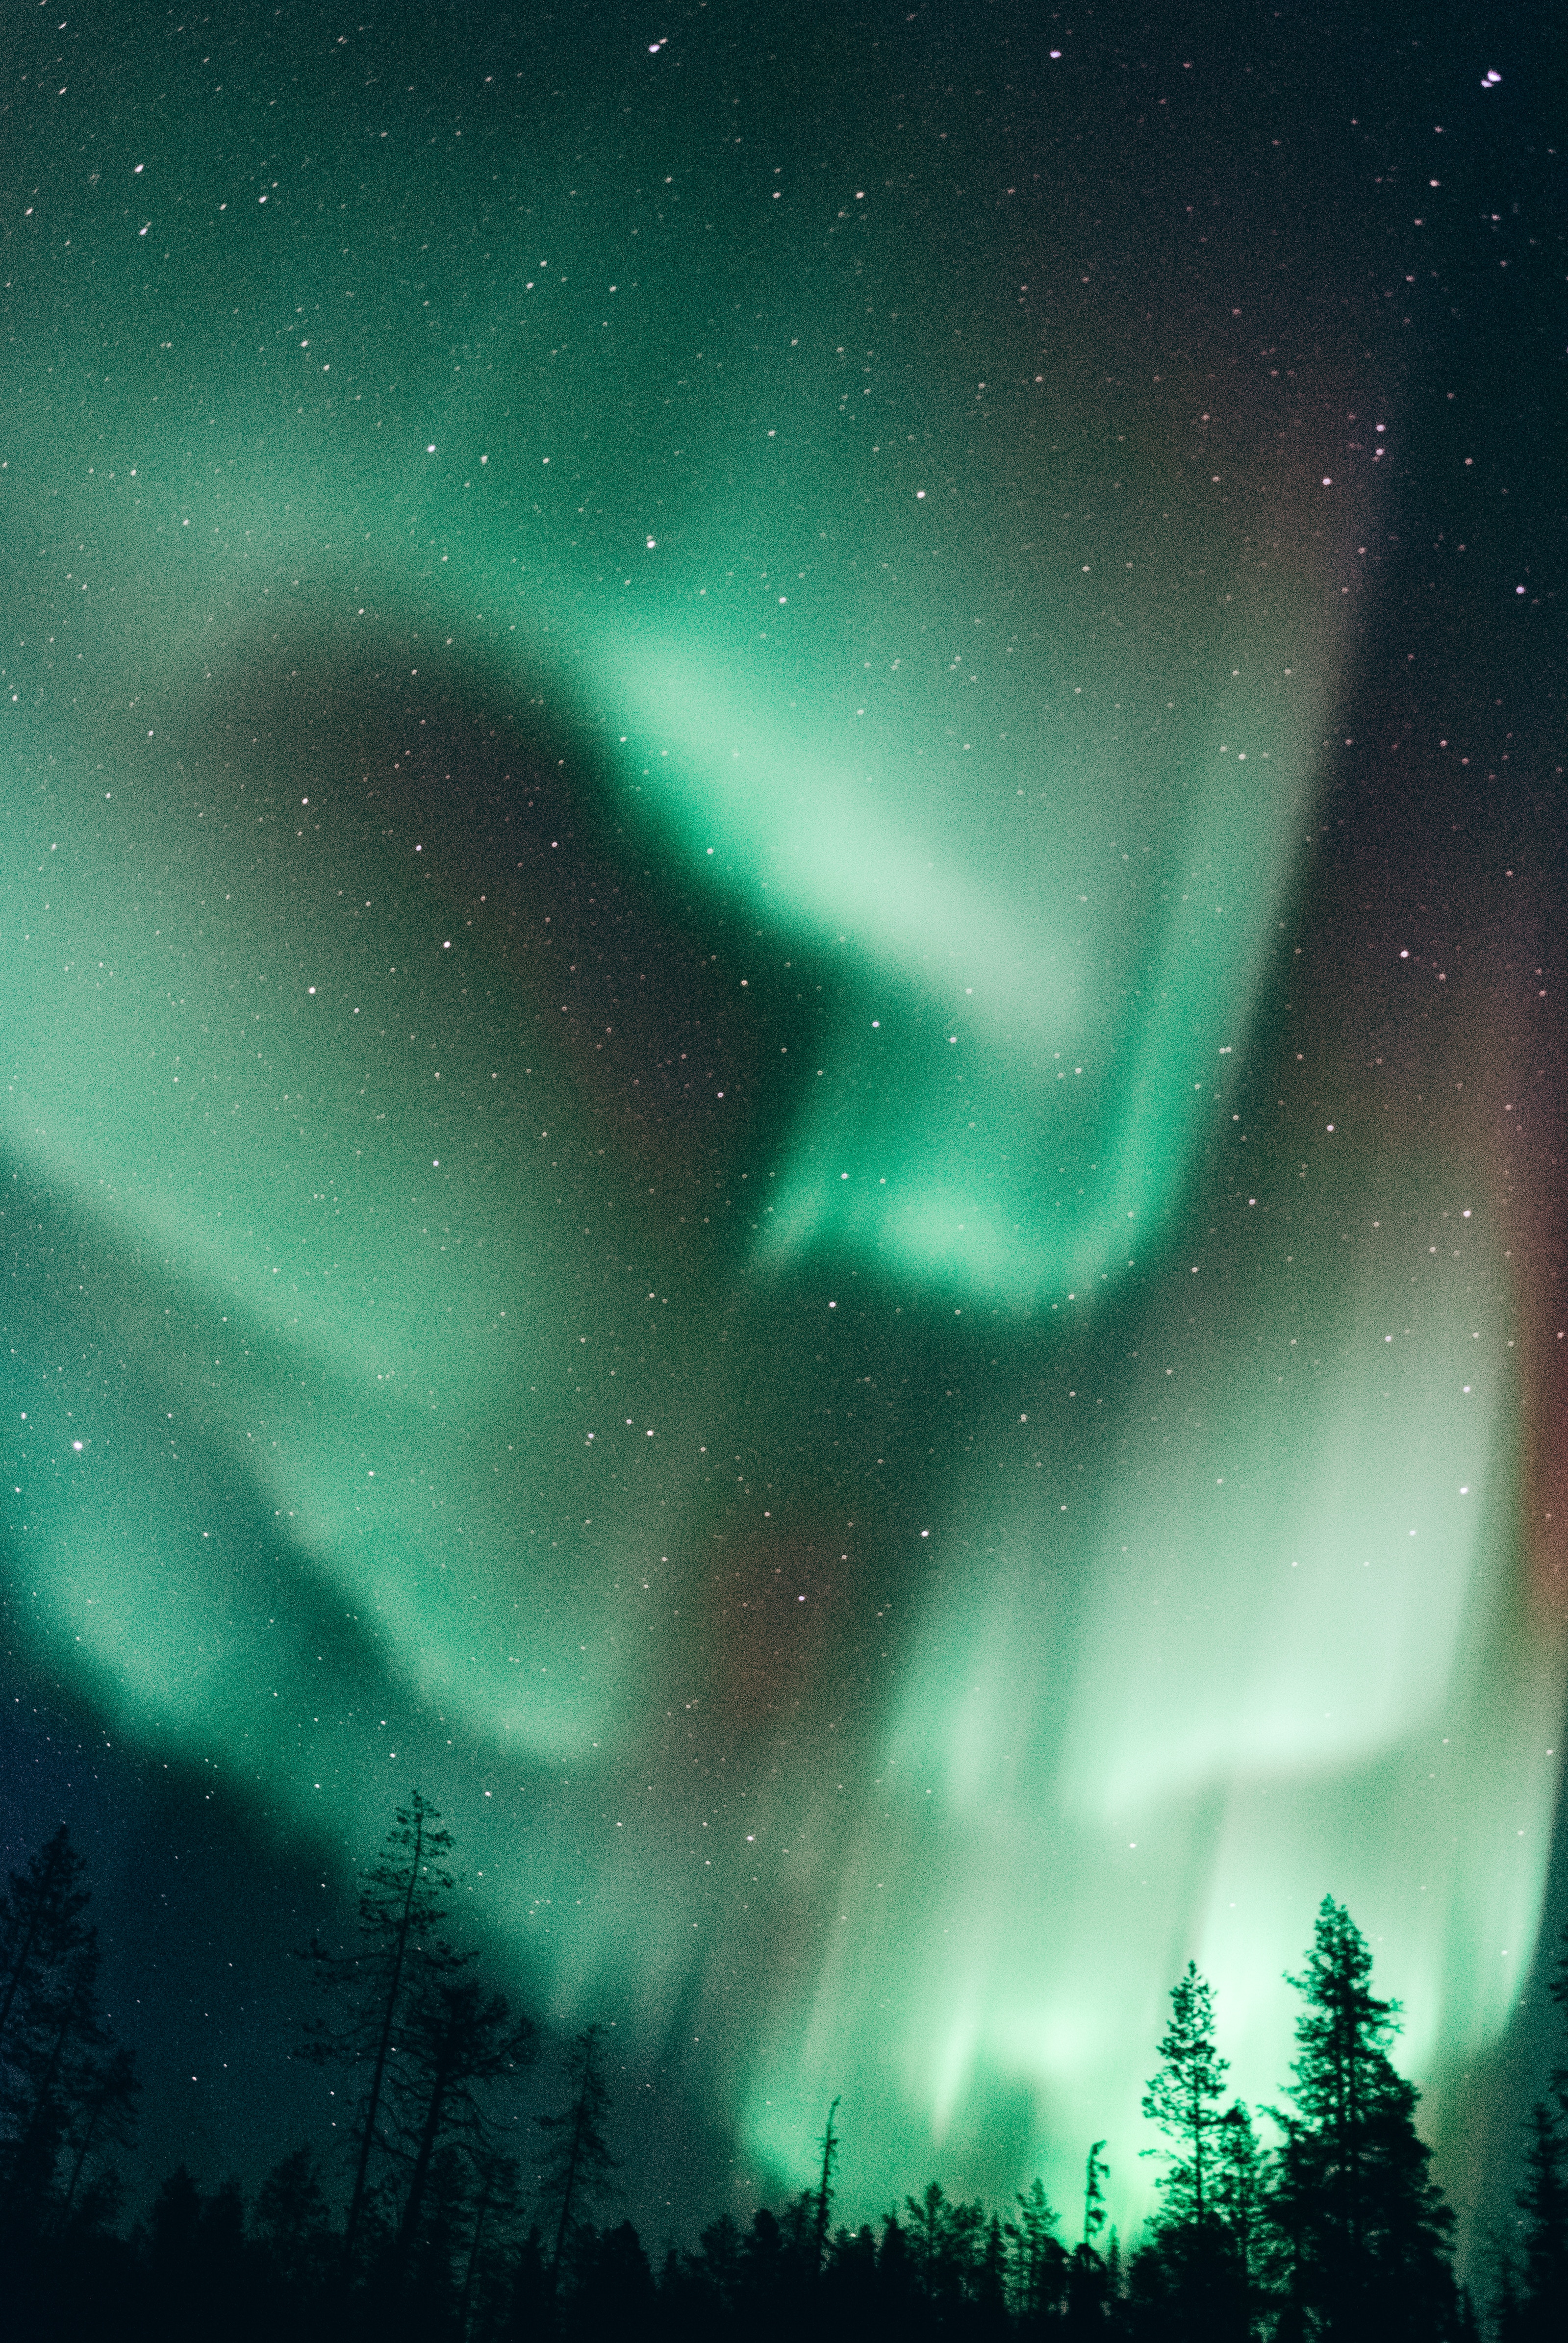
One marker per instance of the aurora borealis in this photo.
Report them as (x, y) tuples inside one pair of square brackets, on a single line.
[(685, 1157)]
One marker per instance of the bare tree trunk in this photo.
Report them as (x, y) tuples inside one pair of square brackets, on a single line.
[(464, 2310), (33, 2129), (568, 2189), (824, 2190), (389, 2017), (587, 2159), (83, 2152), (428, 2134)]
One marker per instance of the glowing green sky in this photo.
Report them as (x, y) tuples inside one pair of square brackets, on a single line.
[(658, 1171)]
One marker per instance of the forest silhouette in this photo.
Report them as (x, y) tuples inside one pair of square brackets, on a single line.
[(454, 2212)]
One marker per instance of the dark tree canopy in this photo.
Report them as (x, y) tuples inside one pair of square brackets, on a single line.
[(1362, 2236), (67, 2088), (439, 2226)]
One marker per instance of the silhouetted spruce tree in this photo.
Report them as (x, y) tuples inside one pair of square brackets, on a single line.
[(1360, 2233), (1088, 2295), (172, 2248), (1185, 2100), (1095, 2172), (415, 2293), (1193, 2272), (46, 1940), (1243, 2186), (613, 2295), (902, 2305), (524, 2301), (699, 2291), (1532, 2302), (1532, 2306), (926, 2224), (579, 2162), (990, 2282), (1557, 1988), (850, 2282), (292, 2224), (775, 2272), (402, 1905), (1037, 2261), (66, 2090), (1088, 2289), (493, 2206), (822, 2196), (946, 2244), (198, 2272)]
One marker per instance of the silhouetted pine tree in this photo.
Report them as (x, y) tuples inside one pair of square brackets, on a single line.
[(456, 2043), (67, 2090), (1089, 2294), (402, 1905), (1533, 2302), (776, 2271), (1343, 2223), (1242, 2191), (1036, 2261), (1360, 2233), (717, 2271), (1089, 2290), (1190, 2279), (416, 2292), (527, 2304), (822, 2196), (944, 2242), (612, 2295), (901, 2301), (1183, 2099), (199, 2275), (292, 2225), (579, 2163), (989, 2285), (1096, 2171), (493, 2208), (850, 2295)]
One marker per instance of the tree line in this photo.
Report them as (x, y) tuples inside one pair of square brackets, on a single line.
[(449, 2218)]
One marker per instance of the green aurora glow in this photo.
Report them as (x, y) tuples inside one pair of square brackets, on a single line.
[(1109, 1562)]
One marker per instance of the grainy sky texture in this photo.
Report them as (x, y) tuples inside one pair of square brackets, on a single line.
[(780, 916)]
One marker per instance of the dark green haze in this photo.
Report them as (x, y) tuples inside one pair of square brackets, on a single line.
[(670, 1168)]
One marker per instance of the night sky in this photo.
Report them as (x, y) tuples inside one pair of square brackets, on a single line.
[(781, 910)]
